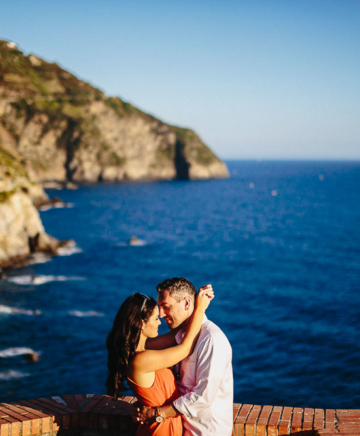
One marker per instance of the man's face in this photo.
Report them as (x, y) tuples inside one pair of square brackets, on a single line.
[(173, 312)]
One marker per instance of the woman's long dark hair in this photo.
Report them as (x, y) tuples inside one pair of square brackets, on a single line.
[(123, 339)]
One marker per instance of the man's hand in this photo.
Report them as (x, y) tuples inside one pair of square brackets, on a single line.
[(142, 414)]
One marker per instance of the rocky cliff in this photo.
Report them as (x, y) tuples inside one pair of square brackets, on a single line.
[(65, 129), (21, 230), (55, 127)]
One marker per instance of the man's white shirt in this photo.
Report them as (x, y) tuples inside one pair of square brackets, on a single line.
[(206, 385)]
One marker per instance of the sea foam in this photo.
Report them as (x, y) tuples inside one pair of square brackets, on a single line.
[(27, 280), (82, 314), (7, 310), (16, 351), (12, 375)]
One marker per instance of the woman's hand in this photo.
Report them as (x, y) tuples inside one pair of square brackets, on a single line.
[(203, 297)]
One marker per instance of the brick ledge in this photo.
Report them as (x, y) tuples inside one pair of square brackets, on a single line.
[(99, 413)]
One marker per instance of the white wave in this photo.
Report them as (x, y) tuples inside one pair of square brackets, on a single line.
[(81, 314), (68, 251), (39, 258), (16, 351), (57, 205), (15, 311), (27, 280), (12, 375), (59, 400)]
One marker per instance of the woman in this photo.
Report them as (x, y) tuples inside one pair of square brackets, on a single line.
[(147, 371)]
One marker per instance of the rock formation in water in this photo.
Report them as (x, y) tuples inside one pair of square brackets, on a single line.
[(21, 229), (66, 130)]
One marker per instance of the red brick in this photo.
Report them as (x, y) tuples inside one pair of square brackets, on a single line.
[(296, 424), (91, 404), (236, 409), (65, 422), (250, 427), (93, 420), (4, 427), (69, 399), (125, 404), (349, 411), (35, 426), (309, 413), (26, 430), (273, 422), (45, 408), (15, 429), (45, 425), (127, 399), (284, 423), (318, 423), (29, 407), (347, 427), (53, 406), (103, 422), (15, 426), (307, 425), (330, 419), (112, 404), (308, 419), (239, 426), (9, 412), (80, 399), (349, 432), (287, 413), (75, 418), (283, 428), (16, 408), (83, 423), (349, 418), (244, 411), (101, 404), (261, 424)]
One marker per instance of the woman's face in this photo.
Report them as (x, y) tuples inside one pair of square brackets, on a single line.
[(151, 326)]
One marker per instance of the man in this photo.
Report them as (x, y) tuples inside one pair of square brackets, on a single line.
[(205, 378)]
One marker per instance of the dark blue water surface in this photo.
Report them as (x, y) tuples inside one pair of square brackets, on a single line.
[(279, 241)]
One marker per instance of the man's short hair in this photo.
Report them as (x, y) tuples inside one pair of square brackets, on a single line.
[(178, 288)]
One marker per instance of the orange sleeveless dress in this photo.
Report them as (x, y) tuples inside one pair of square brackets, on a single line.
[(164, 391)]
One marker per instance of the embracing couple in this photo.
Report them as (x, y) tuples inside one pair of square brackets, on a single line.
[(183, 380)]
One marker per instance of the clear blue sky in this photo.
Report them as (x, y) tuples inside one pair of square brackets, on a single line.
[(255, 78)]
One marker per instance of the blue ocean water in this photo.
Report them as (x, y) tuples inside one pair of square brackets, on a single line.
[(279, 241)]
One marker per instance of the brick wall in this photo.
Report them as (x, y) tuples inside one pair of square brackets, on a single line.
[(96, 415)]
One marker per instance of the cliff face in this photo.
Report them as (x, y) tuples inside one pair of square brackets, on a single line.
[(21, 230), (65, 129)]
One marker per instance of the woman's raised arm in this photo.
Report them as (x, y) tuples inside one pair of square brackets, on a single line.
[(152, 360)]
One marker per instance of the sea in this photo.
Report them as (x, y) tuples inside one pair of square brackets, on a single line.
[(279, 241)]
